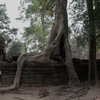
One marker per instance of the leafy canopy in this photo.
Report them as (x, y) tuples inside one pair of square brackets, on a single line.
[(40, 13), (16, 48)]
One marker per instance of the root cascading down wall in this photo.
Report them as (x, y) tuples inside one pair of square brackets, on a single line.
[(45, 74)]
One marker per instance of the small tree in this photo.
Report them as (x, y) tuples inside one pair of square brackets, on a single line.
[(40, 13), (88, 30), (92, 41), (16, 48)]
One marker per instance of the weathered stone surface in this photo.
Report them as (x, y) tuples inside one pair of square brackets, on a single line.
[(44, 74), (2, 46)]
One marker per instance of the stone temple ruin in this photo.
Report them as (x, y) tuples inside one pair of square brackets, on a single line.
[(2, 47), (40, 74)]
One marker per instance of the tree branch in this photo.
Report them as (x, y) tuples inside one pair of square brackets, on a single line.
[(70, 4)]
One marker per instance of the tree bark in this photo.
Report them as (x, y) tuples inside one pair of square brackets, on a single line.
[(92, 42), (57, 43), (43, 27)]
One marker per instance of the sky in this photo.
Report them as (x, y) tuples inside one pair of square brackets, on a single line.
[(13, 13)]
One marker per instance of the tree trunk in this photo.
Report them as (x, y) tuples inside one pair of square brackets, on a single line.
[(43, 28), (92, 42), (90, 61), (57, 45)]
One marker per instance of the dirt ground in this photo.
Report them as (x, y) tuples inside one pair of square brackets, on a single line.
[(62, 92)]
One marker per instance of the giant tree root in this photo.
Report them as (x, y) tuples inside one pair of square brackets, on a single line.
[(13, 87), (42, 57), (54, 48)]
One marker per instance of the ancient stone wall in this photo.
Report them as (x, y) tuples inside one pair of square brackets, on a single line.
[(45, 74), (37, 74), (2, 47)]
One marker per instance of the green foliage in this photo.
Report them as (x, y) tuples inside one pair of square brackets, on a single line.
[(16, 48), (40, 13), (81, 23), (36, 6), (5, 31), (4, 20), (78, 47), (33, 36)]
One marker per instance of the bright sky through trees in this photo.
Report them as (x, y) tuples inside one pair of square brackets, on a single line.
[(13, 13)]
